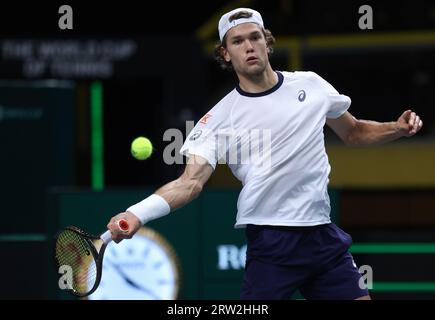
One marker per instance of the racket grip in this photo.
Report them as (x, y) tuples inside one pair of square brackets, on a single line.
[(106, 237)]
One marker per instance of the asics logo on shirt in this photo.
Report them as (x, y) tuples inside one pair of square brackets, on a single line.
[(195, 135), (301, 95)]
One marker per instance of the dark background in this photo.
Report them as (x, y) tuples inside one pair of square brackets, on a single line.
[(172, 78)]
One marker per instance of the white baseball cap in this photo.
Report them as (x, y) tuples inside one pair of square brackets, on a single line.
[(225, 24)]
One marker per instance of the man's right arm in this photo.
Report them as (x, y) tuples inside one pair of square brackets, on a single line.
[(189, 185), (176, 194)]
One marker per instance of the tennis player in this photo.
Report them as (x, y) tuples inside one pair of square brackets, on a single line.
[(284, 205)]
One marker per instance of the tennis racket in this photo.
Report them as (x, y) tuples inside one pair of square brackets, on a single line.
[(79, 260)]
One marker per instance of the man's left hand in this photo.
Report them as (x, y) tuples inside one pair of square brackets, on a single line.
[(409, 123)]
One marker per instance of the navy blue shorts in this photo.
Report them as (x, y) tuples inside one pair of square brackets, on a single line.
[(315, 260)]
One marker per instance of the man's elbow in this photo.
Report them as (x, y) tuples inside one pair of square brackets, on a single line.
[(353, 136), (192, 187), (195, 188), (351, 140)]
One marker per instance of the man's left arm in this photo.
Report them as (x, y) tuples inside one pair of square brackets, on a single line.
[(364, 132)]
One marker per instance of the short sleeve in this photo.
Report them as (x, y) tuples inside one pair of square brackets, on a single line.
[(211, 137), (338, 103)]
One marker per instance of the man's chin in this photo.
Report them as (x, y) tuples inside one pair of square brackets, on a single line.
[(255, 71)]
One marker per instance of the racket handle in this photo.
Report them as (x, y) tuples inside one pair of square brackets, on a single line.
[(107, 236)]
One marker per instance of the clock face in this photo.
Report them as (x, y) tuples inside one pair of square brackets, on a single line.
[(144, 267)]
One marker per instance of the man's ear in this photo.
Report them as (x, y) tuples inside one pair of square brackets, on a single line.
[(225, 54)]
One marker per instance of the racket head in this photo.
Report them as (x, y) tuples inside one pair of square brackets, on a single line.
[(76, 253)]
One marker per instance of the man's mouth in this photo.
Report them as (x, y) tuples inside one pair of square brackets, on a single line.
[(251, 60)]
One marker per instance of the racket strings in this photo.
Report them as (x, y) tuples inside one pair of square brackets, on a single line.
[(73, 251)]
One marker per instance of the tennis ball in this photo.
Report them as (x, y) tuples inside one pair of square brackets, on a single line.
[(141, 148)]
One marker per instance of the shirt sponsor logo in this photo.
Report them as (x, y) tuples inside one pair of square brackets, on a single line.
[(205, 118)]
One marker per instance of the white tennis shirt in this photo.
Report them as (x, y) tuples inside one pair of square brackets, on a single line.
[(273, 143)]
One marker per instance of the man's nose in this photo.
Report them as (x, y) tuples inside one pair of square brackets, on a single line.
[(249, 46)]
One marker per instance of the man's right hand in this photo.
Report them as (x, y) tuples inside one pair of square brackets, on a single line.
[(118, 234)]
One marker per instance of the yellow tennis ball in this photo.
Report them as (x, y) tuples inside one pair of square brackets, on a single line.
[(141, 148)]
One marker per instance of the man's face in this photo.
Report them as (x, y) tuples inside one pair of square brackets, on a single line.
[(246, 49)]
